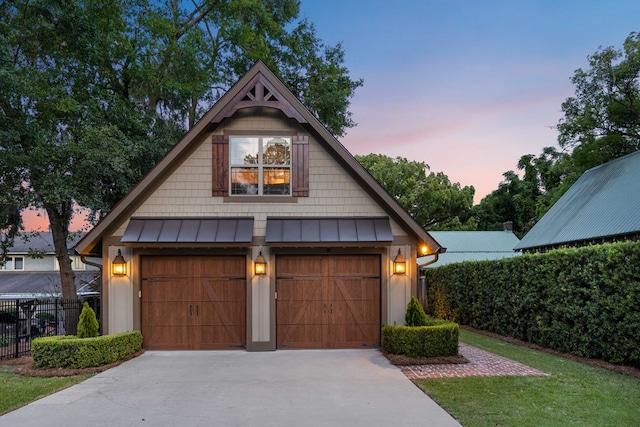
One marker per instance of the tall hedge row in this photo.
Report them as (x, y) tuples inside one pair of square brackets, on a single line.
[(584, 301)]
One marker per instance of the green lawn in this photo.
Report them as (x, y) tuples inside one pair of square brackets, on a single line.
[(17, 391), (572, 395)]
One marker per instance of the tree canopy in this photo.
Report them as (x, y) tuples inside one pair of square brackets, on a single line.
[(601, 123), (93, 93), (430, 198)]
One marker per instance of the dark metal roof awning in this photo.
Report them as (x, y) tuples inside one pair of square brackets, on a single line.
[(188, 230), (328, 230)]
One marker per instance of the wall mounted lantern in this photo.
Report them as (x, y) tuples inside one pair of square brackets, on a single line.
[(399, 264), (119, 265), (260, 265)]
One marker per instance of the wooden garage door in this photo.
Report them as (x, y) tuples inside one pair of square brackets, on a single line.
[(195, 302), (328, 301)]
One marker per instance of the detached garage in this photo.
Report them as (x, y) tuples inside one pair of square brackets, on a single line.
[(257, 231)]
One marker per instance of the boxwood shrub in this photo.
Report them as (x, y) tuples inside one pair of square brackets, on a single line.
[(73, 352), (439, 338)]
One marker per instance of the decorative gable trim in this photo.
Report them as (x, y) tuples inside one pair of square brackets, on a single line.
[(259, 87), (259, 92)]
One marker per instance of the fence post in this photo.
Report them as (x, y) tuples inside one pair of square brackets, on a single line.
[(16, 328)]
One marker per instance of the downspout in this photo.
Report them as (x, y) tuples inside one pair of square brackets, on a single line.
[(84, 260), (423, 289)]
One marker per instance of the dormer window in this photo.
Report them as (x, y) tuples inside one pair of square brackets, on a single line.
[(260, 166)]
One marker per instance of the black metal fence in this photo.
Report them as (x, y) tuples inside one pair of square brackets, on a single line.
[(22, 320)]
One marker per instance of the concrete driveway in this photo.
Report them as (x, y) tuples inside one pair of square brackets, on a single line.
[(235, 388)]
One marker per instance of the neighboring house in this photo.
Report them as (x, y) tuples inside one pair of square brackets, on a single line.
[(31, 269), (257, 186), (602, 206), (473, 246)]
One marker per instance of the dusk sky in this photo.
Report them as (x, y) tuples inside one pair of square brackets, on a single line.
[(466, 86)]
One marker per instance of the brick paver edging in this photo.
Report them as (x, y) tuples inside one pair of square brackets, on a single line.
[(481, 364)]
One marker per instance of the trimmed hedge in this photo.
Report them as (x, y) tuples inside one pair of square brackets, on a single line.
[(73, 352), (584, 301), (440, 338)]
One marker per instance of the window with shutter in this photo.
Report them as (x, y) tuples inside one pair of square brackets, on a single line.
[(260, 166)]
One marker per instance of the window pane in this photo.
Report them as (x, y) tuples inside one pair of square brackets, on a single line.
[(244, 150), (277, 151), (9, 264), (276, 181), (244, 180), (19, 263)]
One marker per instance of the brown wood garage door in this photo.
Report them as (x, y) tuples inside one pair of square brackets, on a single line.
[(195, 302), (328, 301)]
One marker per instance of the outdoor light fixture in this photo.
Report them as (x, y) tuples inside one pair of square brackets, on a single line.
[(399, 264), (260, 265), (119, 265), (424, 249)]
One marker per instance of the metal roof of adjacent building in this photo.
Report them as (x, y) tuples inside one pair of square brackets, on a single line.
[(473, 246), (40, 241), (43, 282), (602, 204)]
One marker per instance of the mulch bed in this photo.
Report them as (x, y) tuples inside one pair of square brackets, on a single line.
[(599, 363), (24, 366)]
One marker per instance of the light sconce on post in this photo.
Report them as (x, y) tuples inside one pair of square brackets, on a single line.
[(119, 265), (399, 264), (260, 265)]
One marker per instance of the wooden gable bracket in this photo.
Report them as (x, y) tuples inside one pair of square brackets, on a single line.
[(259, 92)]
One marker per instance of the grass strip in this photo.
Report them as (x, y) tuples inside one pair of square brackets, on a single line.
[(573, 394), (17, 391)]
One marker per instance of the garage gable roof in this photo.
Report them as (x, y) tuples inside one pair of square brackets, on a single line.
[(188, 230), (258, 87), (328, 230)]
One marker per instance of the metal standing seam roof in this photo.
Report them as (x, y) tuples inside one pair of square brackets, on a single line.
[(603, 202), (334, 230), (476, 241), (473, 246), (188, 230)]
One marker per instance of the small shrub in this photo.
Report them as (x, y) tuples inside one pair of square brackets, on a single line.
[(88, 325), (73, 352), (415, 315), (438, 338)]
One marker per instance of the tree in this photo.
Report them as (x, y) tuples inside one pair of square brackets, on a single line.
[(431, 199), (93, 93), (602, 120)]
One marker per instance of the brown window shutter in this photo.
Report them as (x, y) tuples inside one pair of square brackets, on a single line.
[(300, 166), (220, 165)]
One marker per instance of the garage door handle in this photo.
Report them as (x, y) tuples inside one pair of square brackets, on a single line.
[(190, 310), (197, 310), (331, 309), (324, 309)]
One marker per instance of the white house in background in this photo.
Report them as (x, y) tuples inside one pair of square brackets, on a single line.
[(31, 269)]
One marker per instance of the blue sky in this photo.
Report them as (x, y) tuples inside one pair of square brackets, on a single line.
[(466, 86)]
